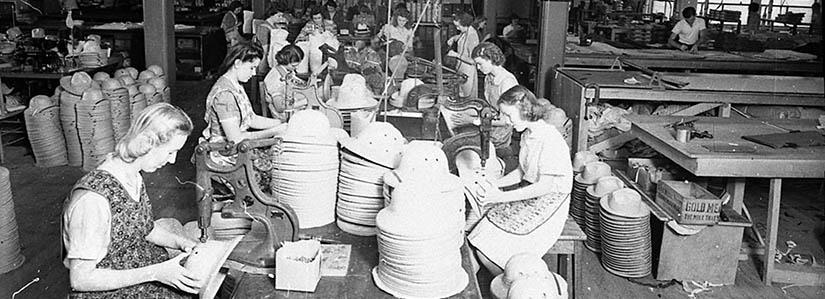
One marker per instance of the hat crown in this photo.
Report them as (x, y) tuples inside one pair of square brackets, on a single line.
[(625, 202), (381, 142), (595, 170), (307, 123), (40, 101), (111, 84), (607, 184), (524, 265), (147, 89), (127, 80), (122, 72), (92, 95), (155, 69), (133, 72), (81, 79), (146, 75), (537, 287), (100, 76), (158, 83), (582, 158), (422, 159)]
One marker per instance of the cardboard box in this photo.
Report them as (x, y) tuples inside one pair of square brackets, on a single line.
[(688, 203), (298, 266)]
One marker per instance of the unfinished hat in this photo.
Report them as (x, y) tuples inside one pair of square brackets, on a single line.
[(553, 287), (422, 159), (205, 261), (307, 123), (379, 142), (158, 83), (100, 76), (400, 96), (13, 33), (5, 89), (155, 69), (39, 102), (625, 202), (519, 266), (146, 75), (582, 158), (92, 95), (127, 80), (76, 83), (147, 89), (605, 185), (122, 72), (133, 72), (354, 94), (592, 172), (277, 18), (111, 84)]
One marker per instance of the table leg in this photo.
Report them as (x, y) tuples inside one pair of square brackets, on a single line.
[(774, 196), (736, 189)]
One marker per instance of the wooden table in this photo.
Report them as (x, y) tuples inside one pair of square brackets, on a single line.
[(766, 162), (357, 284)]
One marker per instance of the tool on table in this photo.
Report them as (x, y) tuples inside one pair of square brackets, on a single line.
[(470, 138), (273, 222), (685, 130)]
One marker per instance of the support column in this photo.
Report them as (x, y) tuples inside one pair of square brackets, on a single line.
[(259, 8), (159, 36), (490, 14), (552, 37), (774, 198)]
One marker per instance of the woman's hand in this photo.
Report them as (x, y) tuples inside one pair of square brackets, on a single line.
[(173, 274), (185, 244), (487, 192), (452, 40)]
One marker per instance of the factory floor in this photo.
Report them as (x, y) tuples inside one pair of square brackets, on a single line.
[(39, 194)]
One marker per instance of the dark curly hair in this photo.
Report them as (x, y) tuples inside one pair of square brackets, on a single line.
[(289, 54), (402, 12), (531, 109), (244, 51), (490, 52)]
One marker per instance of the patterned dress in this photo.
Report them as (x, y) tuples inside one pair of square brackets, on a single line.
[(131, 223)]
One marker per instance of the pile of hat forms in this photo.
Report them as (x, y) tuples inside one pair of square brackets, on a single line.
[(91, 55), (625, 234), (399, 97), (420, 233), (586, 179), (45, 133), (526, 276), (220, 228), (153, 85), (120, 102), (356, 102), (72, 89), (577, 195), (10, 256), (364, 161), (94, 125), (305, 170)]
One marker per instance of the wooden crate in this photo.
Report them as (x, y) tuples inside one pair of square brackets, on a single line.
[(688, 202)]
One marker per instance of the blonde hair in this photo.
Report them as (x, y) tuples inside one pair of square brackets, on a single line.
[(155, 126)]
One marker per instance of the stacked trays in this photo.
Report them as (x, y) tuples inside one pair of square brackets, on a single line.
[(305, 170), (591, 174), (359, 194), (10, 256), (68, 120), (625, 233), (121, 112), (94, 125), (45, 134), (418, 256), (93, 59)]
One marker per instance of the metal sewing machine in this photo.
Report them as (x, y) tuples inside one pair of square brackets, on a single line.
[(272, 222), (470, 137)]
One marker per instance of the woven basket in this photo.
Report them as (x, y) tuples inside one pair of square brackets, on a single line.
[(121, 111), (68, 121), (10, 256), (46, 136)]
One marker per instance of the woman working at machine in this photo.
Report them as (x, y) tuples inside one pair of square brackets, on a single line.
[(464, 43), (531, 217), (112, 248), (400, 30), (313, 26), (276, 80)]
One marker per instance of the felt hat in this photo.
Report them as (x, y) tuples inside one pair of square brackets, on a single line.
[(76, 83), (354, 94), (604, 185), (133, 90), (92, 95), (111, 84), (206, 259), (379, 142), (277, 18), (400, 96), (39, 102), (100, 76), (581, 158), (133, 72), (91, 46), (625, 202), (309, 124), (127, 80), (93, 38), (147, 89), (155, 69), (519, 266), (553, 287), (158, 83), (592, 172), (421, 97), (122, 72), (146, 75)]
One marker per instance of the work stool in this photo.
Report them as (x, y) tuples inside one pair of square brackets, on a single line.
[(570, 244)]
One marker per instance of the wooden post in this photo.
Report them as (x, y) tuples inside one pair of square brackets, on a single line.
[(159, 36), (774, 197), (259, 8), (552, 37), (490, 15)]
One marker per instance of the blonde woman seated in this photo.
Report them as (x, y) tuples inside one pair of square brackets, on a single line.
[(112, 248), (530, 217)]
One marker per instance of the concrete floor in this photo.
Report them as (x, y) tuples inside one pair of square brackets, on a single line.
[(39, 194)]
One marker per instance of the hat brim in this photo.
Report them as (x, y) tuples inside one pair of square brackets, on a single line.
[(359, 149), (497, 287), (355, 229), (641, 212)]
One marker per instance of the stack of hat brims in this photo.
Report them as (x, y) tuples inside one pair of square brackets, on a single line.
[(119, 100), (10, 256), (73, 87), (591, 174), (94, 125), (305, 171), (577, 196), (356, 102), (604, 186), (364, 160), (93, 59), (625, 233), (44, 132), (137, 100)]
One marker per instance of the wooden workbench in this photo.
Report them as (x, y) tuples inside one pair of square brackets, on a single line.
[(765, 162), (357, 284)]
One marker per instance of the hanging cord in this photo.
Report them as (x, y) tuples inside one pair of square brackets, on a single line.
[(404, 50), (32, 6)]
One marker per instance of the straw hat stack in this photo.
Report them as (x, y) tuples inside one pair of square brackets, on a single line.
[(577, 195), (93, 59), (526, 276), (101, 76), (587, 178), (44, 131), (604, 186), (364, 160), (356, 102), (10, 257), (157, 70), (625, 233), (118, 98), (137, 100), (419, 251), (150, 93), (94, 125), (73, 87), (305, 171), (162, 89)]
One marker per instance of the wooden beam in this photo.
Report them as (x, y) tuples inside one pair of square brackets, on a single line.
[(774, 197), (612, 142), (552, 38), (159, 36), (696, 109)]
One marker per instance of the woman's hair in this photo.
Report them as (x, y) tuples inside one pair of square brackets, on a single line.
[(289, 54), (490, 52), (331, 3), (402, 12), (154, 126), (477, 22), (316, 10), (234, 5), (531, 109), (464, 19), (363, 8), (244, 51)]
